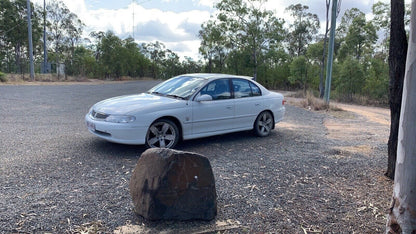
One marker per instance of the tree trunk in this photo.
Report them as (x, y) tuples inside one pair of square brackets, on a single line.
[(210, 64), (402, 216), (19, 68), (397, 62), (321, 76)]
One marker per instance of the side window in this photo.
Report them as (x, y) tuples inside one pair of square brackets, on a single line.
[(255, 89), (218, 89), (241, 88)]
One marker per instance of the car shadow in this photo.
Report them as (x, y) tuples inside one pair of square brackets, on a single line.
[(228, 141), (200, 145), (109, 149)]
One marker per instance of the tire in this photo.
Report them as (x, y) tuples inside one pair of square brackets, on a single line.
[(163, 133), (264, 124)]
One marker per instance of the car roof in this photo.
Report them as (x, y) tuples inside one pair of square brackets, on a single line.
[(216, 76)]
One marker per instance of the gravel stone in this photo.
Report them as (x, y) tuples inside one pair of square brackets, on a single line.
[(57, 177)]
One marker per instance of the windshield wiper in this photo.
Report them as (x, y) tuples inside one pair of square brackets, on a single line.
[(156, 93), (175, 96)]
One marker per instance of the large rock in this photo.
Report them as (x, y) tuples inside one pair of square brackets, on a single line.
[(173, 185)]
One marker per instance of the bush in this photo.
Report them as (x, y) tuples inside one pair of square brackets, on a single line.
[(3, 77), (316, 104)]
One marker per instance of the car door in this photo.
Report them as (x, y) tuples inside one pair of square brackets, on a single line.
[(216, 115), (247, 103)]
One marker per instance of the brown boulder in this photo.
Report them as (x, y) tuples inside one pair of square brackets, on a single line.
[(173, 185)]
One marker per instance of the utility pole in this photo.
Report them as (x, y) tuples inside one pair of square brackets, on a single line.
[(330, 51), (322, 73), (45, 52), (402, 215), (29, 28)]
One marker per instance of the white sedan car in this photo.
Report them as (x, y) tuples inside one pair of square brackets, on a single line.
[(186, 107)]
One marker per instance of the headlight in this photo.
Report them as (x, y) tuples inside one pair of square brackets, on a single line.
[(120, 118)]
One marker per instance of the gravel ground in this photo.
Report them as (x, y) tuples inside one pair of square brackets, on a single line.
[(57, 177)]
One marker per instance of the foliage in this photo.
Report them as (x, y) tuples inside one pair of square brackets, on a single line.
[(382, 22), (14, 34), (213, 47), (117, 58), (351, 79), (247, 27), (274, 71), (377, 81), (64, 32), (360, 37), (164, 62), (83, 63), (299, 72), (303, 29)]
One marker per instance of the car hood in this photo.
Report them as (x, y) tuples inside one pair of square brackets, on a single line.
[(132, 104)]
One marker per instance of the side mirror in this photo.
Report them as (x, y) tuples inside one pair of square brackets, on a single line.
[(203, 98)]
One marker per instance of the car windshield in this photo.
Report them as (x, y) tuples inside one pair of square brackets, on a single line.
[(178, 87)]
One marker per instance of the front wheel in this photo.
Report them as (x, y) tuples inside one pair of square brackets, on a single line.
[(264, 124), (162, 133)]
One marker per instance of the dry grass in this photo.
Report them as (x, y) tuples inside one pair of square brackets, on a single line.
[(316, 104), (51, 77)]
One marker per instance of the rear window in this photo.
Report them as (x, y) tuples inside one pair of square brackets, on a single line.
[(245, 88)]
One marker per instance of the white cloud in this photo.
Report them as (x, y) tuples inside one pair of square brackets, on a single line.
[(178, 30)]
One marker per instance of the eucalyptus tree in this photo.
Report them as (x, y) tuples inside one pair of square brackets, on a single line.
[(346, 21), (213, 46), (191, 66), (135, 63), (116, 57), (14, 33), (171, 65), (164, 62), (381, 21), (315, 55), (83, 62), (64, 30), (397, 64), (156, 52), (303, 30), (402, 215), (247, 25), (299, 72), (360, 35), (110, 55), (351, 79)]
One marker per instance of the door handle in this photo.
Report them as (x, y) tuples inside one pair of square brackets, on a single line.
[(229, 107)]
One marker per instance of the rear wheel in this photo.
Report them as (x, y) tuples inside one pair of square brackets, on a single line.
[(162, 133), (264, 124)]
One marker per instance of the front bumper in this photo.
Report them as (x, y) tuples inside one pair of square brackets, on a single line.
[(123, 133)]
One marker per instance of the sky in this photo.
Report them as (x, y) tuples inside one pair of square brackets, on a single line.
[(175, 23)]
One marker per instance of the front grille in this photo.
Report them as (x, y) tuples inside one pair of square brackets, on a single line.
[(103, 133), (98, 115)]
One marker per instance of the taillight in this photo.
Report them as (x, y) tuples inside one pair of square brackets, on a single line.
[(283, 102)]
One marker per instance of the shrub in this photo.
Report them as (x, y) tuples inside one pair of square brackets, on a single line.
[(316, 104), (3, 77)]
